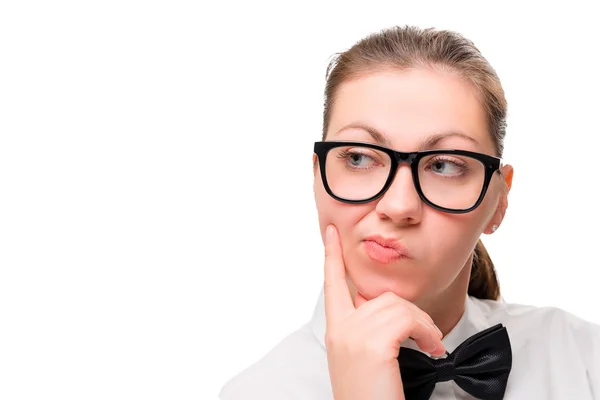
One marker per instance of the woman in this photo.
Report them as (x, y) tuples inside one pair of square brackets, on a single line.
[(407, 178)]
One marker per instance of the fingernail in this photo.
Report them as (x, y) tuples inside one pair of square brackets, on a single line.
[(439, 332), (329, 233)]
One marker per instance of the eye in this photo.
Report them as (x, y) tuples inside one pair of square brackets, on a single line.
[(357, 159), (446, 166)]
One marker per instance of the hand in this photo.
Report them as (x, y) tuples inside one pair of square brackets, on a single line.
[(363, 340)]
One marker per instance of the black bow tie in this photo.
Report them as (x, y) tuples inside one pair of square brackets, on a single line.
[(480, 366)]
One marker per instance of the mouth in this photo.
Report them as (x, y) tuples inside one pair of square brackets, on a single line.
[(384, 250)]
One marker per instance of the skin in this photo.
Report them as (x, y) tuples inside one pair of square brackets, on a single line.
[(372, 307)]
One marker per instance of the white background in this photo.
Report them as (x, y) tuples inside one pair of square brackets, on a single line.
[(158, 228)]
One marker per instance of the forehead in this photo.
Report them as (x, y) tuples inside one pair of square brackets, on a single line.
[(408, 107)]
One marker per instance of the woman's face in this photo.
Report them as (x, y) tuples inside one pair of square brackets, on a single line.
[(408, 107)]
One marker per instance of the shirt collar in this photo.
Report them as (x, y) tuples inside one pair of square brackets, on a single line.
[(472, 321)]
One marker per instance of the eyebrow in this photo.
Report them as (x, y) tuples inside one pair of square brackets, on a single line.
[(427, 143)]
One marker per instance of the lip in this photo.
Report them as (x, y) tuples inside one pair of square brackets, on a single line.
[(385, 250)]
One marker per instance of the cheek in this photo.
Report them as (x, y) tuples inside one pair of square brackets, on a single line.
[(490, 204), (450, 239), (330, 211), (462, 231)]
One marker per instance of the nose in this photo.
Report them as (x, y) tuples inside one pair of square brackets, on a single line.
[(401, 202)]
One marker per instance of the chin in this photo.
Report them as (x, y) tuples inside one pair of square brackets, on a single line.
[(372, 286)]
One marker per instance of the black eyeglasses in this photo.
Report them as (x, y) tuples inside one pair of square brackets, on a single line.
[(452, 181)]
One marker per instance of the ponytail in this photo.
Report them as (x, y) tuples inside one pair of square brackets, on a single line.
[(483, 282)]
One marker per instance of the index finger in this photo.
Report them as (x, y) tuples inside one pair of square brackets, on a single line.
[(338, 301)]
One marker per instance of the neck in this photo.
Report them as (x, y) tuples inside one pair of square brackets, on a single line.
[(446, 308)]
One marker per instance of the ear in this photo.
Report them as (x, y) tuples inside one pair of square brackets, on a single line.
[(507, 173)]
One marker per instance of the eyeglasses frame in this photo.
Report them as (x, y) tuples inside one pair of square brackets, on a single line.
[(491, 165)]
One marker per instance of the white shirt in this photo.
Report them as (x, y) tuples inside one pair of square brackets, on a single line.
[(556, 356)]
